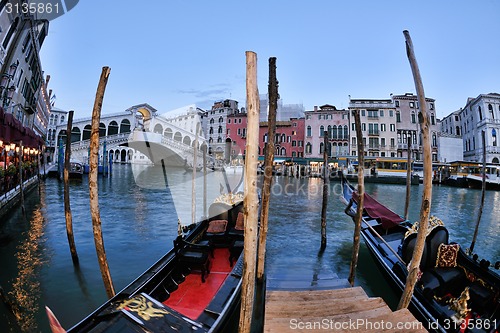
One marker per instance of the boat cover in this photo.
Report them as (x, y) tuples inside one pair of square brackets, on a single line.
[(377, 211)]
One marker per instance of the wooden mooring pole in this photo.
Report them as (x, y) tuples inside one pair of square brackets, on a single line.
[(483, 192), (67, 207), (21, 187), (425, 208), (326, 187), (251, 200), (93, 190), (408, 178), (268, 169), (361, 200)]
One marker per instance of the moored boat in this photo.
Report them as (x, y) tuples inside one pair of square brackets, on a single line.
[(75, 170), (475, 177), (455, 292), (196, 286)]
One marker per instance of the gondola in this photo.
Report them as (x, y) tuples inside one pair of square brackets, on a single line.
[(195, 287), (454, 292)]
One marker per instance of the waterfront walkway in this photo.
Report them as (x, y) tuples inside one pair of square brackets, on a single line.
[(298, 301)]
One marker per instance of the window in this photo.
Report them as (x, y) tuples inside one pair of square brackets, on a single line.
[(308, 131), (212, 121), (381, 113), (294, 143), (239, 131), (490, 108), (480, 114), (219, 130), (363, 113), (308, 148), (412, 104), (321, 147), (433, 119), (382, 142), (398, 117), (391, 113), (363, 126), (229, 120), (294, 124), (372, 114), (353, 127), (413, 118), (353, 141), (494, 135), (382, 127), (346, 132), (321, 131), (341, 135), (397, 104), (432, 106), (334, 132), (227, 132), (393, 128), (393, 142)]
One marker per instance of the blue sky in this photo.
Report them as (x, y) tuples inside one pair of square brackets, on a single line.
[(173, 53)]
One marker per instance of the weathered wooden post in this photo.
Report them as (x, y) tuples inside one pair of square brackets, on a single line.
[(408, 178), (204, 150), (268, 169), (67, 207), (361, 195), (425, 208), (251, 200), (21, 187), (483, 192), (193, 180), (326, 187), (93, 193)]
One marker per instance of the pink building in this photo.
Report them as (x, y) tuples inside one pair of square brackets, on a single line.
[(335, 122)]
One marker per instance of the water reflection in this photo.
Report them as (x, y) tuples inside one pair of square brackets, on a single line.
[(26, 290)]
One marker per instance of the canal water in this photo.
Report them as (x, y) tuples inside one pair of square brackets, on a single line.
[(140, 218)]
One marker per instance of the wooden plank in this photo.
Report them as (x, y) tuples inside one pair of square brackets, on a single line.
[(273, 296), (340, 310)]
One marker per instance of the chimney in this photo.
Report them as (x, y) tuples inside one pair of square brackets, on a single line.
[(315, 108)]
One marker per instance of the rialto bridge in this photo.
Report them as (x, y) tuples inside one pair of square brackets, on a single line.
[(139, 135)]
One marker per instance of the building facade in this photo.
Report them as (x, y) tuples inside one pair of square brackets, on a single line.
[(22, 86), (481, 114), (378, 125), (408, 128), (215, 126), (288, 139), (451, 124), (335, 123)]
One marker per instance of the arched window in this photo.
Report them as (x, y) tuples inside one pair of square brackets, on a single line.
[(490, 108), (283, 151), (212, 121), (308, 148), (480, 114), (413, 118), (494, 136), (434, 140), (334, 132), (346, 132), (329, 130), (221, 119), (62, 119), (340, 134), (219, 140), (321, 131), (283, 137), (308, 131), (211, 130), (321, 147), (125, 126), (113, 128), (219, 130)]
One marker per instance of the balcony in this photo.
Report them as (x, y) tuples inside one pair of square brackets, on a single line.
[(402, 146), (373, 147), (373, 133)]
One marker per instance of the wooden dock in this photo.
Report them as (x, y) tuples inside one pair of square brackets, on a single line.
[(325, 303)]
